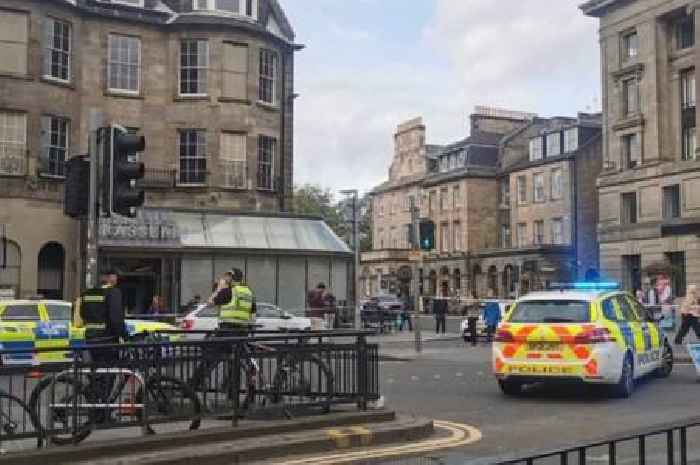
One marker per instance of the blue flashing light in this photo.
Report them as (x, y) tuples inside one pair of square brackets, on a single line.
[(596, 286)]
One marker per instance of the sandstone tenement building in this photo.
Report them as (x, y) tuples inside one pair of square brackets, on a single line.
[(649, 189), (210, 84), (513, 206)]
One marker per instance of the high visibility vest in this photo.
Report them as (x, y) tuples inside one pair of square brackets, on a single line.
[(240, 308), (93, 307)]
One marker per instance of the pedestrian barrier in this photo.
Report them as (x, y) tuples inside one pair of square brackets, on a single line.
[(174, 385), (656, 445)]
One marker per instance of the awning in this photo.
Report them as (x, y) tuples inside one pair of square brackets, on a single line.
[(167, 229)]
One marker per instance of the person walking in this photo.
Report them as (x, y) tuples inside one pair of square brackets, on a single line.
[(690, 312), (406, 310), (440, 311), (492, 316)]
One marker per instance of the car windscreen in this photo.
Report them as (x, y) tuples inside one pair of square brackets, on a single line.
[(551, 311), (58, 312)]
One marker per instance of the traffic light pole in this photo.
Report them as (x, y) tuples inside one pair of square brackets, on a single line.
[(417, 301), (93, 226)]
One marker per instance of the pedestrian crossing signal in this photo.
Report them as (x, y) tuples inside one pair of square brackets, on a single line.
[(426, 230)]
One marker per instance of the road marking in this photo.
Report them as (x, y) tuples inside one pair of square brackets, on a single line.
[(390, 380), (459, 435), (459, 375), (414, 378), (436, 377)]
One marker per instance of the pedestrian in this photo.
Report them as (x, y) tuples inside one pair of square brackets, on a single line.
[(440, 312), (492, 316), (406, 310), (156, 307), (641, 296), (690, 312)]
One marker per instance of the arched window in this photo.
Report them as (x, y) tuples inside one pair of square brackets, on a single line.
[(457, 275), (10, 264), (432, 283), (52, 259), (509, 279), (493, 281)]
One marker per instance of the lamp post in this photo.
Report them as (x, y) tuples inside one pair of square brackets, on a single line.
[(354, 195)]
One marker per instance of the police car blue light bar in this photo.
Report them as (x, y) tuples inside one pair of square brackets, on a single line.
[(586, 285)]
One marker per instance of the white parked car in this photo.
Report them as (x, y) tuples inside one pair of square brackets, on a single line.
[(269, 317)]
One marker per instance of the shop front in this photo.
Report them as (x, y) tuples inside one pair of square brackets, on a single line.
[(178, 255)]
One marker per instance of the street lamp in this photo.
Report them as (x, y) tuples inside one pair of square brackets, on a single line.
[(354, 195)]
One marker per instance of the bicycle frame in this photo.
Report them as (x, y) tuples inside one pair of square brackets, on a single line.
[(128, 374)]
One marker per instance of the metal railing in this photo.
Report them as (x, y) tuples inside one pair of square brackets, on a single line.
[(156, 178), (656, 445), (172, 384)]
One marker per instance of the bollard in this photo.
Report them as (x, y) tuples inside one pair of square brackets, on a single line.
[(419, 339)]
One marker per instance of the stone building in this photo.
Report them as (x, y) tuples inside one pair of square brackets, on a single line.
[(489, 241), (547, 209), (209, 83), (649, 190), (447, 184)]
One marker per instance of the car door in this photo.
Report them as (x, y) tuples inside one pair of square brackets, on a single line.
[(638, 329), (652, 333), (54, 330)]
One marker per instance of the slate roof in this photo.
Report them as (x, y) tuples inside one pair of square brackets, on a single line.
[(171, 12)]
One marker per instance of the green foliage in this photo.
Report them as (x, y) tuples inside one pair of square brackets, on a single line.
[(314, 200)]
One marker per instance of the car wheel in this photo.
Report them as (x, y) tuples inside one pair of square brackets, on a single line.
[(664, 371), (624, 388), (510, 387)]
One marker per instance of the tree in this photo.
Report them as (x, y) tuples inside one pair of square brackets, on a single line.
[(314, 200)]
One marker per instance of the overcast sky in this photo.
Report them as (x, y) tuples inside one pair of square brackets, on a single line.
[(370, 64)]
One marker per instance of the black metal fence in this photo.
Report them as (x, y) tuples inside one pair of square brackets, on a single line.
[(665, 444), (180, 384)]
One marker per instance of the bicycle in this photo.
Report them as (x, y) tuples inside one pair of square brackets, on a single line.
[(76, 402), (296, 374), (17, 424)]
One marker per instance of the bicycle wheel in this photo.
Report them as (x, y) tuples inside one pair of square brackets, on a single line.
[(303, 380), (19, 427), (215, 386), (170, 405), (60, 405)]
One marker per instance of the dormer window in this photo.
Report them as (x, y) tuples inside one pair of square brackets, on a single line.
[(247, 8), (536, 148), (553, 144)]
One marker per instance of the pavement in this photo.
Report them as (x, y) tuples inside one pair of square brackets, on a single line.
[(251, 441)]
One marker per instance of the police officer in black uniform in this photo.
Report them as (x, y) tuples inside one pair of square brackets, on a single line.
[(102, 312)]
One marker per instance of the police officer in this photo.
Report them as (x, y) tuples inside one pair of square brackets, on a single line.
[(236, 318), (102, 312), (237, 305)]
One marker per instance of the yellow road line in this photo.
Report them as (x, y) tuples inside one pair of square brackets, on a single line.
[(460, 435)]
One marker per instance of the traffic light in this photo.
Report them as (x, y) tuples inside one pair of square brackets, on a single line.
[(77, 187), (426, 231), (121, 171)]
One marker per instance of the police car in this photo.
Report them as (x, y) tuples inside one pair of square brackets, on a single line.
[(29, 324), (586, 332)]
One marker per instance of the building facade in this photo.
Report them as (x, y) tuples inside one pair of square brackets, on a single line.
[(511, 204), (547, 211), (209, 83), (649, 190)]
